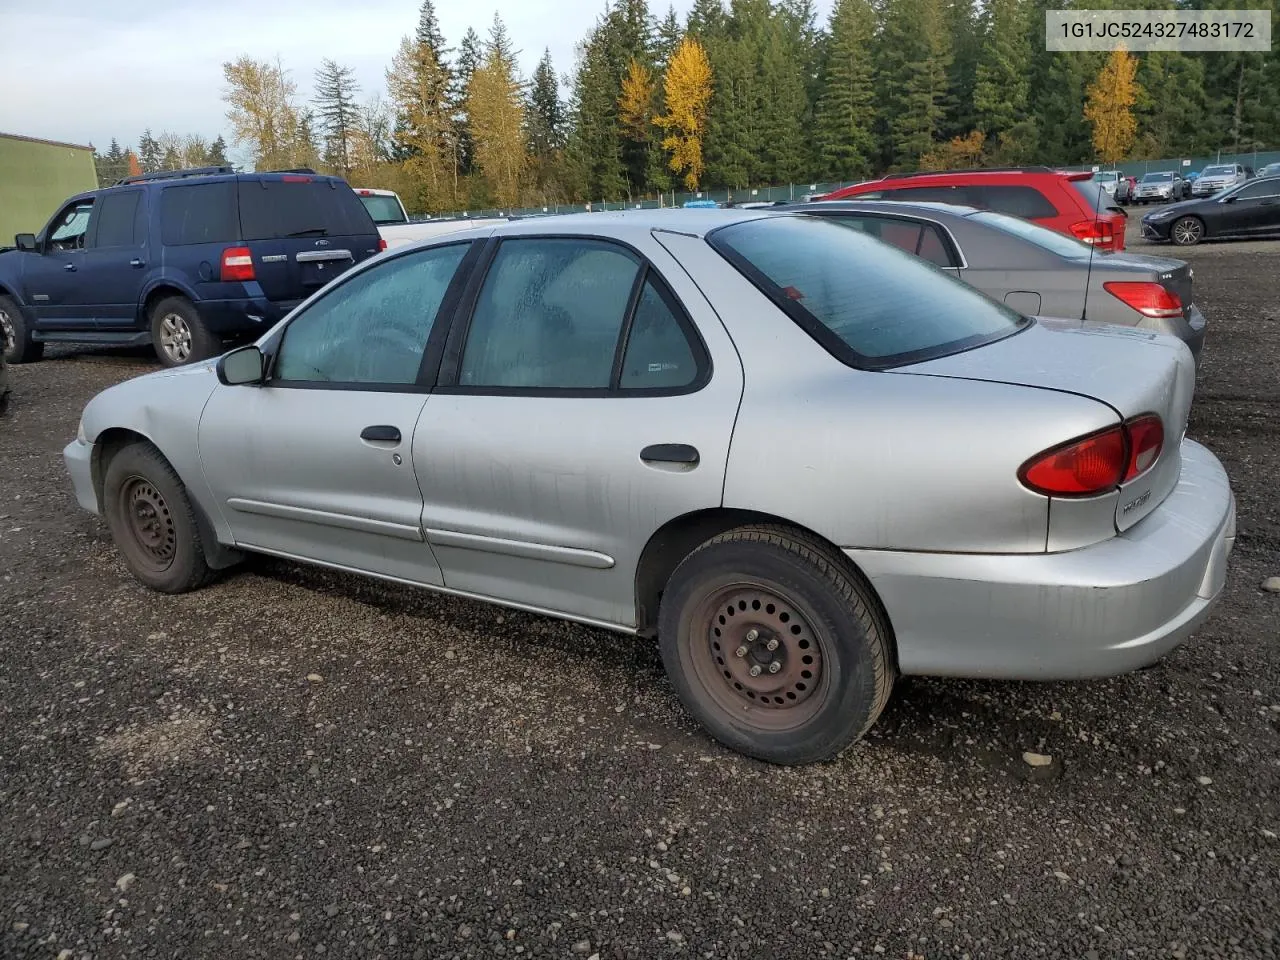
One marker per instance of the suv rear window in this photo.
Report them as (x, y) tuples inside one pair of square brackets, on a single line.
[(300, 207), (1026, 202), (869, 304), (198, 213)]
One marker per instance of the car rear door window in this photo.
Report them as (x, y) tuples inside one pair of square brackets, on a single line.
[(373, 328), (198, 213), (659, 354), (300, 206), (959, 194), (1259, 189), (549, 315), (119, 220), (1026, 202)]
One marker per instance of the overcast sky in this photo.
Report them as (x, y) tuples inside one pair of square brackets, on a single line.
[(85, 71)]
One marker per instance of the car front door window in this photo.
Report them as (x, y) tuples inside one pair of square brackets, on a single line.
[(72, 224), (373, 328)]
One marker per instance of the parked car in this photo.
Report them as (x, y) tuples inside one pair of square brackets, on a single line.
[(1108, 180), (1032, 269), (805, 460), (1249, 210), (1066, 202), (397, 230), (1161, 186), (1270, 170), (181, 260), (1125, 190), (1220, 176)]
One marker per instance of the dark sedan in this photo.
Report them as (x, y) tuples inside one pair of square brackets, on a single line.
[(1249, 210)]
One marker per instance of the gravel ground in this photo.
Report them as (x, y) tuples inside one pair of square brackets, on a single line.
[(298, 763)]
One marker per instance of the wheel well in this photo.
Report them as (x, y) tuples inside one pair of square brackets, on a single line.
[(678, 538), (155, 296)]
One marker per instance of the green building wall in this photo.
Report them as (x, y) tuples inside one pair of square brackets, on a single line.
[(35, 177)]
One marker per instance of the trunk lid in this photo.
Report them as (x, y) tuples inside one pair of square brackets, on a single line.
[(1132, 371)]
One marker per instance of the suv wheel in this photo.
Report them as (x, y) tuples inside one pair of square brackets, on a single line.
[(178, 333), (15, 338)]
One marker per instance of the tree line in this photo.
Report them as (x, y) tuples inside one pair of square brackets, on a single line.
[(742, 93), (168, 151)]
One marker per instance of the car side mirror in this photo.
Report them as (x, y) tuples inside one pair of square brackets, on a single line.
[(242, 365), (25, 241)]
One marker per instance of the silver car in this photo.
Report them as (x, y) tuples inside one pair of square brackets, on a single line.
[(1161, 186), (1218, 177), (804, 460), (1037, 271)]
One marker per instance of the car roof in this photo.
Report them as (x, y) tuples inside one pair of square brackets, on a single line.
[(693, 221)]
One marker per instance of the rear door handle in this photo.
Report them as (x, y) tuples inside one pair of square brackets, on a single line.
[(670, 453), (69, 267), (381, 433), (135, 262)]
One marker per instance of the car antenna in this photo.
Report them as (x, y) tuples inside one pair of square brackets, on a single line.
[(1088, 275)]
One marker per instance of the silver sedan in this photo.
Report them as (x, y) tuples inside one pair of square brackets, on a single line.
[(803, 460), (1037, 271)]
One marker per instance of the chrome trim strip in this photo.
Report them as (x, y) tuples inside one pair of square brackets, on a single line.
[(280, 511), (311, 256), (520, 548)]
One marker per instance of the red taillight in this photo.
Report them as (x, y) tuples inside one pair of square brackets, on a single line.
[(237, 264), (1148, 298), (1146, 440), (1096, 463), (365, 193), (294, 178), (1099, 233), (382, 244)]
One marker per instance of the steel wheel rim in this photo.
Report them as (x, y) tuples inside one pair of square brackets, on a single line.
[(1186, 231), (148, 523), (731, 633), (175, 336), (7, 333)]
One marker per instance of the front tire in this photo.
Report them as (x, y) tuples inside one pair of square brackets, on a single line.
[(152, 521), (179, 335), (775, 646), (1186, 231), (15, 335)]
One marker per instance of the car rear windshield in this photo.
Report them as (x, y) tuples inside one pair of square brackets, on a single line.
[(383, 209), (1155, 177), (1042, 237), (271, 209), (869, 304)]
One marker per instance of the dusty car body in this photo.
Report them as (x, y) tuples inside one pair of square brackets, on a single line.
[(804, 460)]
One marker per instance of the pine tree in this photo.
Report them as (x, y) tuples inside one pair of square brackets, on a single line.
[(1110, 107), (688, 91), (784, 105), (148, 152), (666, 37), (470, 54), (335, 99), (171, 159), (1171, 105), (594, 150), (419, 84), (915, 55), (846, 119), (495, 106), (218, 152), (707, 19), (1001, 78), (546, 112)]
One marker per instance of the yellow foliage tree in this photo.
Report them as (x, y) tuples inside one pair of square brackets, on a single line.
[(687, 86), (1110, 107), (956, 154), (418, 85), (264, 115), (496, 110), (635, 106)]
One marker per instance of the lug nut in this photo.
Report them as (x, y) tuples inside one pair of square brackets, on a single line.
[(740, 652), (772, 645), (755, 671), (752, 634), (775, 666)]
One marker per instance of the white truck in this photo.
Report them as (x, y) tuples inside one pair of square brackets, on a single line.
[(395, 227)]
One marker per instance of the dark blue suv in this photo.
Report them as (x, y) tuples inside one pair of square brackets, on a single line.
[(186, 260)]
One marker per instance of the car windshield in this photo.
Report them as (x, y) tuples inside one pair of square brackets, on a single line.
[(1050, 240), (868, 303), (1218, 172), (383, 209), (1106, 176), (1156, 177)]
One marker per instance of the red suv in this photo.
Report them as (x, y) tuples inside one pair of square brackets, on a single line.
[(1069, 203)]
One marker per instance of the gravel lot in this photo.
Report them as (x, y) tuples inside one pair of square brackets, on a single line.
[(298, 763)]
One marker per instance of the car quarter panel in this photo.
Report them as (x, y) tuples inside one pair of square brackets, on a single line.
[(880, 460)]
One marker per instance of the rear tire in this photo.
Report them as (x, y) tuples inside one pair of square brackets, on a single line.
[(179, 335), (1186, 231), (152, 521), (16, 335), (829, 671)]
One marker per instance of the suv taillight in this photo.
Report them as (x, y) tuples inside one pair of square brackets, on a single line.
[(1100, 233), (237, 264), (1098, 462), (1148, 298), (382, 244)]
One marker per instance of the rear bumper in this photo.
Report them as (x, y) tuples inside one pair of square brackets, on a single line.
[(243, 317), (1097, 611)]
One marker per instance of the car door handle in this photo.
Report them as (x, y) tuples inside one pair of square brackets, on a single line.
[(69, 267), (670, 453), (135, 262), (381, 433)]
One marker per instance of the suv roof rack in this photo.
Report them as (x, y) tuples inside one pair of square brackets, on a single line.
[(940, 173), (177, 174)]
